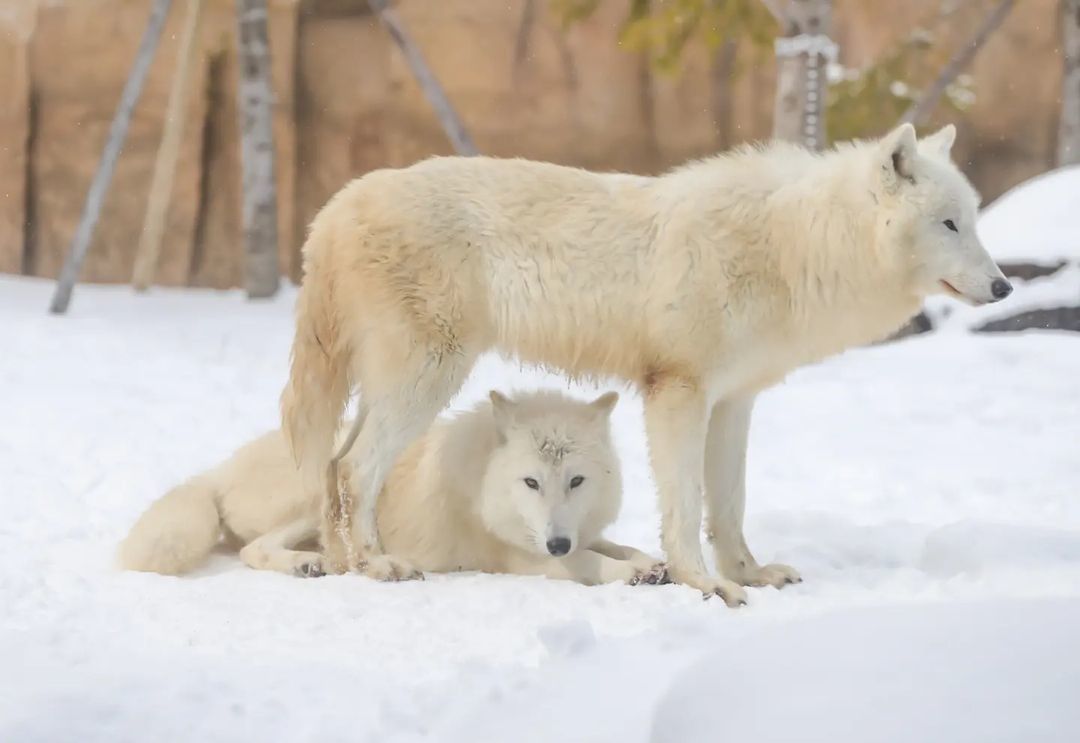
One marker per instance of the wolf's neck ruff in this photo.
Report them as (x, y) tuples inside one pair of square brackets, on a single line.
[(800, 246)]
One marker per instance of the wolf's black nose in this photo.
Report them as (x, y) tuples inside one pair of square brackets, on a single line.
[(558, 546), (1000, 288)]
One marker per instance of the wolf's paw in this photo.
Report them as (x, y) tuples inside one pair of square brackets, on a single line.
[(302, 564), (730, 591), (775, 575), (389, 568), (655, 575), (309, 568)]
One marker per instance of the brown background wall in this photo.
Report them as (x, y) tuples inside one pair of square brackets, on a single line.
[(346, 104)]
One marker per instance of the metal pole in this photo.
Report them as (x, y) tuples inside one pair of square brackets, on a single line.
[(99, 186)]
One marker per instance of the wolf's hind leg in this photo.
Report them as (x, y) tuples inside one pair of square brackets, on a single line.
[(405, 383), (273, 550), (725, 487)]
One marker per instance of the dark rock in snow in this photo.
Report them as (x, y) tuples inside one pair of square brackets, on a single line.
[(1056, 318)]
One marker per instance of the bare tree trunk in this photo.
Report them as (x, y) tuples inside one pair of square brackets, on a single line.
[(157, 205), (647, 110), (801, 58), (721, 71), (261, 274), (922, 108), (524, 35), (433, 91), (99, 186), (1068, 146)]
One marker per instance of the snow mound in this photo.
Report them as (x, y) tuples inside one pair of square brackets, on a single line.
[(964, 674), (975, 548), (1037, 221)]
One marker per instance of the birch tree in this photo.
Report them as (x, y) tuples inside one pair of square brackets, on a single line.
[(451, 123), (261, 274), (920, 110), (803, 54)]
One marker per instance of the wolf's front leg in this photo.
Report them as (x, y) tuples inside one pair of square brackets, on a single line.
[(675, 421), (274, 550), (725, 487), (650, 569), (407, 381), (583, 566)]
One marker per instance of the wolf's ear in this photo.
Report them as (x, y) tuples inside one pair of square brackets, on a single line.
[(503, 409), (602, 406), (940, 142), (899, 150)]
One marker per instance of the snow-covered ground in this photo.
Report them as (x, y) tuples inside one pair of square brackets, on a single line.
[(928, 490)]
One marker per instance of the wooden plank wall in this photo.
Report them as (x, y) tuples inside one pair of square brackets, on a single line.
[(346, 104)]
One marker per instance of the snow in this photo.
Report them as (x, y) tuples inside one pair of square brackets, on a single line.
[(926, 489), (1038, 221)]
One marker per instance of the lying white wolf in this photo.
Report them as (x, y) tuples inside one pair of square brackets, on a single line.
[(515, 486), (702, 286)]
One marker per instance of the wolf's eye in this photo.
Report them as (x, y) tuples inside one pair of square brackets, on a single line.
[(950, 224), (576, 480), (532, 483)]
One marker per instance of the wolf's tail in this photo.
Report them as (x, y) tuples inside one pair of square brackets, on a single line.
[(176, 533), (317, 392)]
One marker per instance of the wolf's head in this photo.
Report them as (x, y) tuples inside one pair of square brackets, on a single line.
[(553, 482), (932, 218)]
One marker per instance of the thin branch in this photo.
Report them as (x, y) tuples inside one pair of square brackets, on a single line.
[(451, 122), (921, 108), (114, 143), (773, 6), (258, 181), (721, 69), (524, 34)]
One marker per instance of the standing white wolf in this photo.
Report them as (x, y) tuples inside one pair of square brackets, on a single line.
[(517, 486), (702, 286)]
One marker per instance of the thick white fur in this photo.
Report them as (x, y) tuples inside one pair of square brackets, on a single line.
[(457, 500), (702, 286)]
